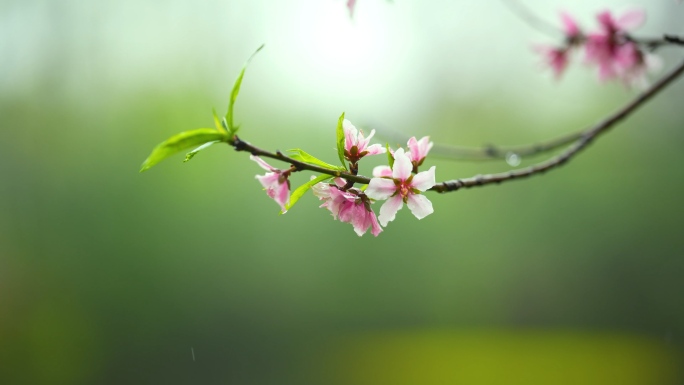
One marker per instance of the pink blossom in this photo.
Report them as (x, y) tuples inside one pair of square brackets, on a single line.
[(275, 182), (611, 50), (351, 206), (570, 27), (554, 58), (557, 58), (418, 150), (634, 65), (356, 145), (403, 187)]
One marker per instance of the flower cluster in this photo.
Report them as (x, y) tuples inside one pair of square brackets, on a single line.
[(610, 48), (397, 183)]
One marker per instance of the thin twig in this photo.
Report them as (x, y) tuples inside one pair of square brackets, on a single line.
[(587, 138), (487, 152)]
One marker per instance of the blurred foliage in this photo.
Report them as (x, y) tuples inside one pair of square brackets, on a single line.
[(109, 276)]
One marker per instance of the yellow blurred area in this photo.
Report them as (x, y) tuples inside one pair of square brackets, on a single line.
[(499, 357)]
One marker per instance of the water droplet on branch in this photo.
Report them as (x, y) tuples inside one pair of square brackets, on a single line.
[(513, 159)]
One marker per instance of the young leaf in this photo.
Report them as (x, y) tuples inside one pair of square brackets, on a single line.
[(390, 158), (303, 156), (299, 192), (182, 141), (220, 124), (234, 94), (194, 152), (340, 140)]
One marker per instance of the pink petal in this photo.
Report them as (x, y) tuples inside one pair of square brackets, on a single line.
[(631, 19), (605, 19), (338, 201), (376, 149), (418, 150), (269, 180), (381, 171), (375, 226), (360, 219), (389, 209), (414, 151), (424, 180), (282, 195), (261, 163), (555, 58), (402, 165), (569, 25), (350, 135), (363, 142), (380, 188), (347, 212), (339, 182), (419, 205)]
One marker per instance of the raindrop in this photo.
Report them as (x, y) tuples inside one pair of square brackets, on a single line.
[(513, 159)]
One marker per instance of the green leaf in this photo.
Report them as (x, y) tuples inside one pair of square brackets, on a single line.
[(180, 142), (299, 192), (194, 152), (340, 140), (303, 156), (390, 158), (234, 94), (220, 124)]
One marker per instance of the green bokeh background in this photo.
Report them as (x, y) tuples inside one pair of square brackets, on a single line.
[(187, 274)]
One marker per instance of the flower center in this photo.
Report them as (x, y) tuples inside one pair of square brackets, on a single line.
[(404, 190)]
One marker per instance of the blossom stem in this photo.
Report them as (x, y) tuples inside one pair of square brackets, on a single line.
[(240, 145), (587, 137)]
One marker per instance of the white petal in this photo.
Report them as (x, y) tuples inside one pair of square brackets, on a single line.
[(380, 188), (321, 190), (419, 205), (389, 209), (375, 149), (269, 180), (424, 180), (402, 165), (262, 163)]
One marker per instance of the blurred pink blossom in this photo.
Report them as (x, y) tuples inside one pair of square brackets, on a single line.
[(616, 56)]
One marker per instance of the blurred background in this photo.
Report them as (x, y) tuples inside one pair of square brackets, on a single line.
[(187, 274)]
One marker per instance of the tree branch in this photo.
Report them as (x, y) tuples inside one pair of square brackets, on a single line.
[(582, 140), (241, 145), (586, 138)]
